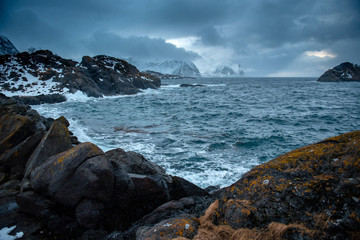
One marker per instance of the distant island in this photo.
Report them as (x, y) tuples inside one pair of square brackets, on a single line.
[(345, 72)]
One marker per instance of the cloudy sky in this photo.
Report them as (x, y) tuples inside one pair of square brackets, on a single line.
[(266, 37)]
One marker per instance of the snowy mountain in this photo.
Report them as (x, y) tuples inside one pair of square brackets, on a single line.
[(226, 71), (6, 47), (174, 67)]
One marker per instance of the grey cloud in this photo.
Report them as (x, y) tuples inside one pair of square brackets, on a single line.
[(210, 36), (257, 31), (143, 48)]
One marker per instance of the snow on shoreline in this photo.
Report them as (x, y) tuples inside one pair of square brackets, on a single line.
[(4, 233)]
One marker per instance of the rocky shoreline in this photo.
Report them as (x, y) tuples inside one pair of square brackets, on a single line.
[(41, 76), (53, 187)]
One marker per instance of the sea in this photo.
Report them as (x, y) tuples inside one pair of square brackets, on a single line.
[(211, 135)]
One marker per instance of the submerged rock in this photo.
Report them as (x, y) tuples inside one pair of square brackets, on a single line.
[(345, 72)]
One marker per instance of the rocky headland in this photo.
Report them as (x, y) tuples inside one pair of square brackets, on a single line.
[(40, 73), (53, 187), (345, 72)]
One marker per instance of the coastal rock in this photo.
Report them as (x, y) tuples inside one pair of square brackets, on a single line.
[(345, 72), (192, 85), (34, 204), (311, 192), (89, 212), (184, 226), (41, 99), (133, 162), (79, 172), (13, 130), (43, 77), (15, 159), (56, 140)]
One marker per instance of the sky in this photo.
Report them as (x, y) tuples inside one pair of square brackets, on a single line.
[(268, 38)]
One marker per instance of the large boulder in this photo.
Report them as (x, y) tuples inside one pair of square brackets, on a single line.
[(345, 72), (56, 140), (309, 193), (78, 173)]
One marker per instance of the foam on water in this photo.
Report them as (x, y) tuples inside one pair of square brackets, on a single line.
[(78, 96), (213, 135)]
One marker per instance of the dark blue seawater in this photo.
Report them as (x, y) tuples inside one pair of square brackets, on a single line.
[(212, 135)]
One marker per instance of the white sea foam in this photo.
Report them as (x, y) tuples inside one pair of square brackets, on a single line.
[(171, 86), (78, 96)]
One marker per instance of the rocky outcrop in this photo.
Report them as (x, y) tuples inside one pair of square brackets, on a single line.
[(44, 73), (41, 99), (345, 72), (309, 193)]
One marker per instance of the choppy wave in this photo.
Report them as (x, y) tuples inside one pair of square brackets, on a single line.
[(213, 135)]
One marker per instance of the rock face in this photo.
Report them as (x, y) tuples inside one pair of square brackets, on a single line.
[(345, 72), (42, 72), (6, 46)]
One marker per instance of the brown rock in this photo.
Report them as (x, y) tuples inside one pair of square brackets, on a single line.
[(14, 160), (55, 141), (13, 130), (53, 177), (183, 226)]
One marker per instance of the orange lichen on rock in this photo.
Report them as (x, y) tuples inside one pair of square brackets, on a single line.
[(183, 226), (311, 192)]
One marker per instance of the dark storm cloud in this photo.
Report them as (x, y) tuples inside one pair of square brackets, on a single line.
[(144, 48), (266, 35), (210, 36)]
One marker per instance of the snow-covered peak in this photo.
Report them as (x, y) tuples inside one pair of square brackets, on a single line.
[(6, 47), (174, 67), (226, 71)]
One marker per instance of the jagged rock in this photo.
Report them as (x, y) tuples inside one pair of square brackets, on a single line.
[(345, 72), (82, 171), (56, 140)]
